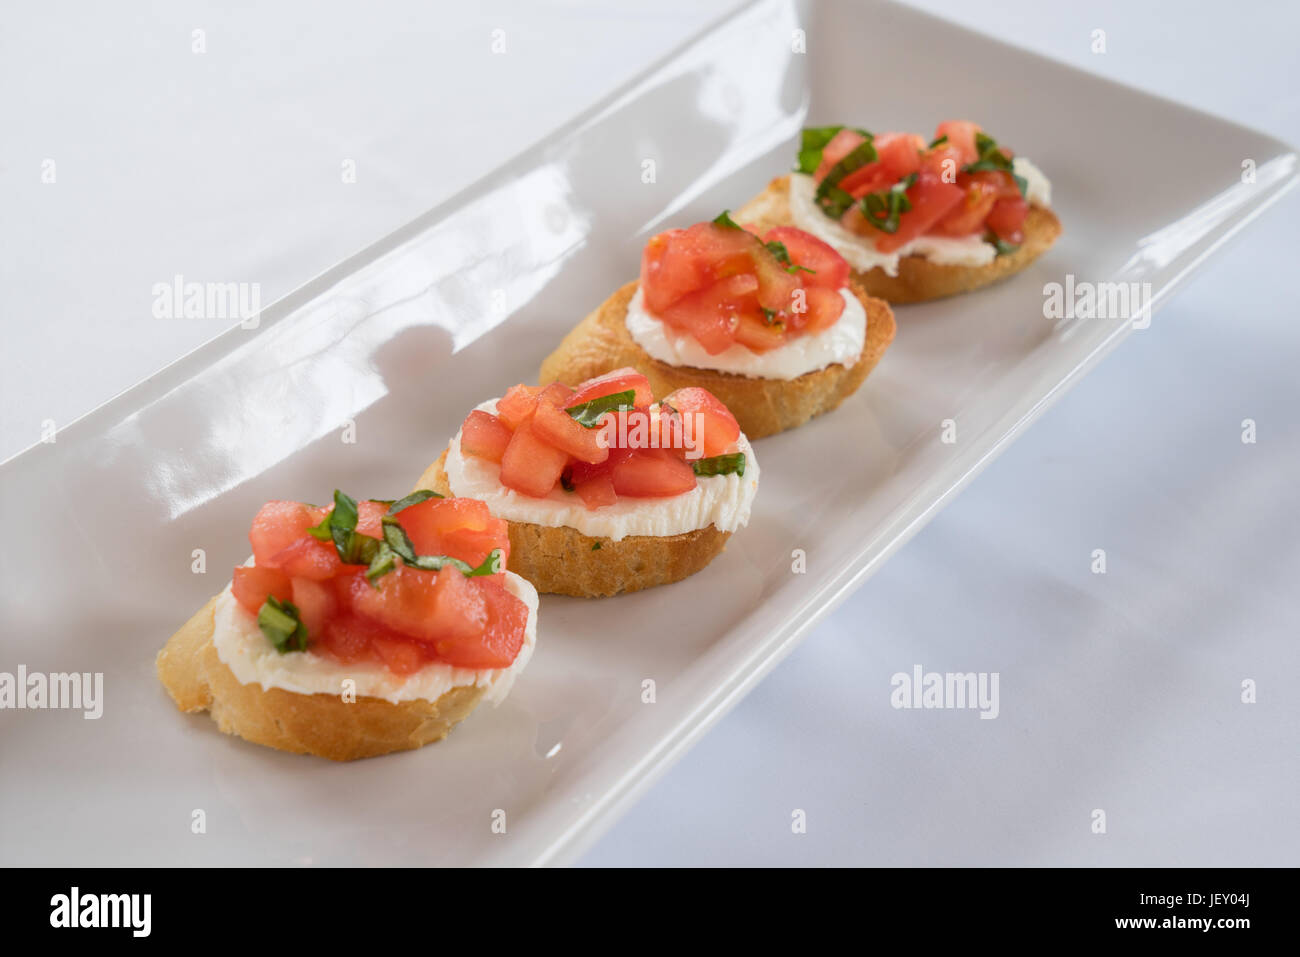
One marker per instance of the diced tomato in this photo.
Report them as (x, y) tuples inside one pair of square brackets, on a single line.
[(484, 435), (897, 155), (557, 427), (253, 583), (961, 136), (597, 492), (1007, 219), (841, 145), (308, 557), (980, 192), (828, 267), (558, 394), (652, 473), (418, 604), (758, 335), (348, 638), (620, 380), (944, 162), (460, 527), (401, 655), (931, 200), (531, 465), (709, 424), (369, 515), (516, 407), (580, 473), (278, 525), (712, 314), (499, 643), (317, 605), (825, 307)]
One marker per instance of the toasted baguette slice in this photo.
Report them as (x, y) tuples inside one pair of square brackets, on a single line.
[(601, 343), (562, 561), (918, 278), (320, 724)]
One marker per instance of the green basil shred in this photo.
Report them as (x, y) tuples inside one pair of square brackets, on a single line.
[(884, 210), (588, 413), (832, 200), (720, 464), (724, 220), (992, 159), (282, 624), (415, 498)]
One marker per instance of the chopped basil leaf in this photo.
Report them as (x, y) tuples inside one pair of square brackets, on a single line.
[(992, 159), (777, 249), (385, 561), (355, 548), (884, 210), (281, 623), (939, 142), (415, 498), (595, 547), (345, 511), (720, 464), (566, 481), (399, 543), (322, 531), (834, 202), (811, 143), (725, 221), (769, 316), (588, 413)]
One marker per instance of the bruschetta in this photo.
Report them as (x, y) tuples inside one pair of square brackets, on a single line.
[(915, 220), (604, 489), (359, 628), (767, 320)]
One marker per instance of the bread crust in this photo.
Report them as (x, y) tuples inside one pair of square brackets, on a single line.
[(560, 560), (320, 724), (918, 278), (763, 407)]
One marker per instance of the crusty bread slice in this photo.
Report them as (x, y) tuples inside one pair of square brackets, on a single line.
[(320, 724), (562, 561), (601, 343), (918, 278)]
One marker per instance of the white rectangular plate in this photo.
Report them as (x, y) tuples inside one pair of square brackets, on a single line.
[(397, 343)]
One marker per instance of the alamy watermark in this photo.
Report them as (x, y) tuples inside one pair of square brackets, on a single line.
[(64, 691), (949, 689), (1074, 299), (180, 299)]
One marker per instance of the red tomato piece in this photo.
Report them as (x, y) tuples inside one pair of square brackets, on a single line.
[(758, 335), (897, 155), (709, 424), (597, 492), (980, 192), (824, 308), (652, 473), (531, 465), (558, 394), (711, 315), (931, 199), (502, 637), (581, 473), (484, 435), (516, 407), (419, 604), (460, 527), (348, 639), (620, 380), (308, 557), (961, 136), (251, 585), (402, 656), (317, 605), (1007, 219), (841, 145), (828, 267), (557, 427), (278, 525)]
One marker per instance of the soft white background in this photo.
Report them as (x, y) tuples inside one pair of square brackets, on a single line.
[(1119, 692)]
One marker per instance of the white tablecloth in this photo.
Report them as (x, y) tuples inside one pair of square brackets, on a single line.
[(1120, 692)]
